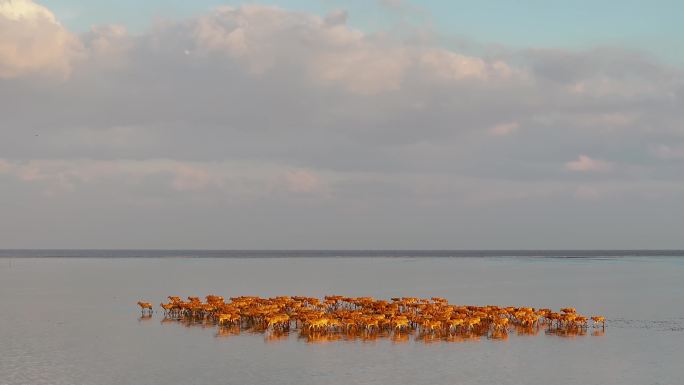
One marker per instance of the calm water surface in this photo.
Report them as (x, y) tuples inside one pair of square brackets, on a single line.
[(75, 321)]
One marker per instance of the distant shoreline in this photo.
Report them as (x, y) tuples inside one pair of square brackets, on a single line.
[(160, 253)]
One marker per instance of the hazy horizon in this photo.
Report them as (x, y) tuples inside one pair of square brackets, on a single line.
[(339, 253)]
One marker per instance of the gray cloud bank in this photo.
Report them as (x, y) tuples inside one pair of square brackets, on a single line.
[(258, 127)]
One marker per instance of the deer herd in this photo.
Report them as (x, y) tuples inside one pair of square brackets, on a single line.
[(335, 317)]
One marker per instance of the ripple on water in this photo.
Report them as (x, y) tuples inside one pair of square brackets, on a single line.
[(667, 325)]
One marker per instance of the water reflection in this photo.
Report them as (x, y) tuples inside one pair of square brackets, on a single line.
[(275, 336), (567, 332), (364, 336), (228, 331), (70, 347), (527, 330), (499, 335), (400, 337)]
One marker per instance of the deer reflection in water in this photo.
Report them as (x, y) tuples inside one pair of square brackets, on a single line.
[(499, 335), (320, 337), (527, 330), (276, 336), (228, 331), (400, 338), (567, 332)]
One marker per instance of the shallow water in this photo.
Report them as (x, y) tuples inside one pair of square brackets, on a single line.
[(75, 321)]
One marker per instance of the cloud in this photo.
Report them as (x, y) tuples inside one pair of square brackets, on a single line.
[(303, 181), (503, 129), (238, 179), (666, 152), (255, 82), (33, 41), (453, 66), (265, 113), (587, 164), (331, 52), (108, 46)]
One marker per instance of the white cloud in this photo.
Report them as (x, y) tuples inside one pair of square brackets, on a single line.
[(448, 65), (33, 41), (331, 52), (109, 46), (587, 164), (18, 10)]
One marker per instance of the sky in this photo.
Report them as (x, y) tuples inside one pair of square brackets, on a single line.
[(326, 124), (655, 28)]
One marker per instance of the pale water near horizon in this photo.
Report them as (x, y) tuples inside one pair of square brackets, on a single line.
[(75, 320)]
